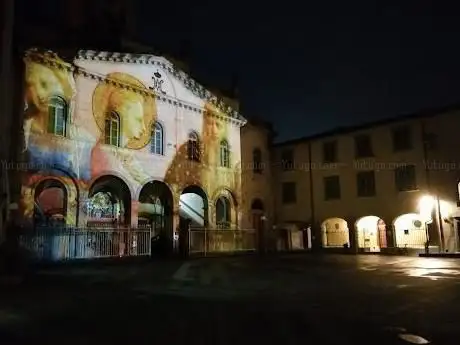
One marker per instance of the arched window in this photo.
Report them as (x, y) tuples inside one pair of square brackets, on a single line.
[(157, 139), (223, 212), (57, 116), (224, 154), (112, 129), (193, 147), (257, 161)]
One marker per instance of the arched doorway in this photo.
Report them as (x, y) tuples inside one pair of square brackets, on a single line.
[(335, 233), (109, 202), (410, 231), (257, 217), (156, 208), (193, 206), (50, 203), (371, 232), (223, 213), (193, 212)]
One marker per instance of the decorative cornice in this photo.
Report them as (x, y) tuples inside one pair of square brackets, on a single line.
[(49, 58), (225, 112)]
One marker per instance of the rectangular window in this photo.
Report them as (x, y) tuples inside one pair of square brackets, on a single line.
[(332, 187), (51, 119), (158, 145), (289, 193), (114, 136), (330, 152), (431, 141), (363, 146), (287, 159), (402, 138), (405, 178), (365, 182), (257, 165)]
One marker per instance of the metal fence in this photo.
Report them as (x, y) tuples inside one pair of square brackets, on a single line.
[(410, 238), (65, 243), (210, 241)]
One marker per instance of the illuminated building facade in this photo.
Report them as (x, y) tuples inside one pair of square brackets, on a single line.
[(387, 184), (126, 140)]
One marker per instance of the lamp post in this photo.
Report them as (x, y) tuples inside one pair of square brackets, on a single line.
[(262, 233), (426, 205)]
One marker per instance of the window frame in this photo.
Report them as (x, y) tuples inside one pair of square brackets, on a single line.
[(193, 147), (158, 129), (224, 153), (328, 147), (402, 138), (224, 202), (365, 151), (401, 179), (287, 159), (328, 196), (363, 183), (284, 193), (257, 167), (56, 104), (111, 118)]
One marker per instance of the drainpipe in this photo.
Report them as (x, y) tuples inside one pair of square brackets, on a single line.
[(428, 184), (440, 225), (312, 199)]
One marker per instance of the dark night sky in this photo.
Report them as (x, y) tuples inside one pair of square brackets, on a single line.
[(310, 68)]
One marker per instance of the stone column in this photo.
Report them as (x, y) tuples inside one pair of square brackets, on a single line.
[(172, 240), (211, 215), (82, 216), (134, 213)]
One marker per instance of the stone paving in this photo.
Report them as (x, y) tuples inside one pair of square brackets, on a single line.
[(293, 299)]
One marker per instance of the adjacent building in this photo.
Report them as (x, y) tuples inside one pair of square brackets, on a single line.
[(257, 180), (388, 184)]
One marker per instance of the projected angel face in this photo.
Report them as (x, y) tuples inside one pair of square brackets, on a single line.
[(42, 83), (130, 107), (136, 110)]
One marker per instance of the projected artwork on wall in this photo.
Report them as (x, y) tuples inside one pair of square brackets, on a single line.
[(119, 143)]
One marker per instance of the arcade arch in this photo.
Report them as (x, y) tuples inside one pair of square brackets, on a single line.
[(193, 206), (109, 202), (371, 232), (335, 233), (410, 231), (50, 203), (156, 207)]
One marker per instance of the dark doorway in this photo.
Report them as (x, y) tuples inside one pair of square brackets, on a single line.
[(50, 208), (109, 202), (258, 223)]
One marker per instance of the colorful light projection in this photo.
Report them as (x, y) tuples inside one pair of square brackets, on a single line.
[(78, 128), (206, 158)]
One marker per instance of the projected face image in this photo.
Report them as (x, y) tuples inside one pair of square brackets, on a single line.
[(205, 170), (42, 83), (212, 128), (136, 111), (132, 113)]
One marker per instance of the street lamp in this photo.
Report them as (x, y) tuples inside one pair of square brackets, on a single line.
[(426, 205)]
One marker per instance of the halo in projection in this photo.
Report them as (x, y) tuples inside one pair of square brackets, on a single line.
[(127, 97)]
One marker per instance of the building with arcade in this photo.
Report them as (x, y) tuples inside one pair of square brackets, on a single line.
[(124, 140)]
